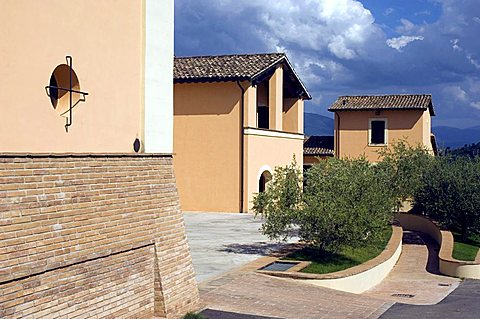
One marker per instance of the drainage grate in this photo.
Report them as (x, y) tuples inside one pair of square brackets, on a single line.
[(279, 266), (403, 295), (444, 285)]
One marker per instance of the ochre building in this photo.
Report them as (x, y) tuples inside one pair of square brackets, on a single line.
[(236, 118), (366, 124), (90, 225)]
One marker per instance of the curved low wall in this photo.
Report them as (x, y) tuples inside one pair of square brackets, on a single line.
[(448, 265), (359, 278)]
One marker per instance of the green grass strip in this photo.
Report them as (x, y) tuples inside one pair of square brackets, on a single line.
[(465, 250), (325, 262)]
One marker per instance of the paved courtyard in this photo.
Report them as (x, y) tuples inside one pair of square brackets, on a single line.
[(226, 248)]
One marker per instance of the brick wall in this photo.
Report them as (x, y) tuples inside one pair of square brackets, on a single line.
[(86, 235)]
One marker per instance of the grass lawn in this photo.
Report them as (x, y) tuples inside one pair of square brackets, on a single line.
[(465, 250), (323, 263)]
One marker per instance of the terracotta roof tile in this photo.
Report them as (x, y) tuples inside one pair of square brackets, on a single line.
[(237, 67), (384, 102), (318, 145), (224, 67)]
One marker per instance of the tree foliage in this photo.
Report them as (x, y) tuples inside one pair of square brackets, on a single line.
[(405, 166), (451, 193), (281, 203), (345, 202)]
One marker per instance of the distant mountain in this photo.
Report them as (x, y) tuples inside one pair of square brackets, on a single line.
[(316, 124), (456, 137)]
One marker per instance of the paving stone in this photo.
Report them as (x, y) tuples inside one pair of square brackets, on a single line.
[(416, 274)]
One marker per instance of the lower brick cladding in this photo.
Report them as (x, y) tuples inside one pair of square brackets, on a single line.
[(86, 236)]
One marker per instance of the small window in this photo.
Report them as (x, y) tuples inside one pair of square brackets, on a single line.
[(262, 117), (377, 132)]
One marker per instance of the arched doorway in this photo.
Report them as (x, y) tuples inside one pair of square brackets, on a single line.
[(265, 177)]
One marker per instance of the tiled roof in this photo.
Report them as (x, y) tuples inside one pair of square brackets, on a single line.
[(384, 102), (243, 67), (239, 67), (318, 145)]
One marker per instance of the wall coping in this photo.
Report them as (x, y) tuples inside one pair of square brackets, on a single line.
[(97, 155), (389, 252), (448, 265)]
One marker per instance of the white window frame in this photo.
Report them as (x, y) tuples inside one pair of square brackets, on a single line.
[(370, 120)]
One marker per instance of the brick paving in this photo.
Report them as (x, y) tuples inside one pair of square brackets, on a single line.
[(241, 293), (415, 274), (261, 295)]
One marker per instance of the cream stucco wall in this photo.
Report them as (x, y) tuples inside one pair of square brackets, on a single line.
[(107, 40), (351, 140), (207, 146), (264, 150)]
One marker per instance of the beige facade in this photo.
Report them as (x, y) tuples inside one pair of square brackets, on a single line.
[(90, 221), (206, 145), (219, 160), (352, 133)]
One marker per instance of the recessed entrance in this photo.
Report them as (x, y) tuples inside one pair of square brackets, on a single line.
[(265, 178)]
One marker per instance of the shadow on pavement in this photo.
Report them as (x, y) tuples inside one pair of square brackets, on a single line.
[(258, 248)]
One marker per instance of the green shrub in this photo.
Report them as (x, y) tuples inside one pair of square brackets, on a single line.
[(405, 166), (344, 203), (192, 315), (281, 203), (451, 193)]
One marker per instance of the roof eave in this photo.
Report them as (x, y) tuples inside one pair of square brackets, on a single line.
[(381, 109), (305, 95), (210, 79)]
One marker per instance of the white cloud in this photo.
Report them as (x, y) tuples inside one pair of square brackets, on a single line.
[(388, 11), (341, 27), (476, 19), (475, 105), (455, 45), (472, 60), (456, 92), (401, 42), (424, 12), (407, 27)]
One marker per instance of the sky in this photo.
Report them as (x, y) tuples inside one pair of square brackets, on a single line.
[(352, 47)]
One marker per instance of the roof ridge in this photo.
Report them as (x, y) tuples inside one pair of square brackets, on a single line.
[(229, 55), (380, 95)]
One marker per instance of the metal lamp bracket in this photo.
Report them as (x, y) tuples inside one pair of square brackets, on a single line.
[(70, 90)]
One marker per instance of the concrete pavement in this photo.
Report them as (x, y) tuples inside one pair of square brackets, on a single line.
[(220, 242), (463, 303)]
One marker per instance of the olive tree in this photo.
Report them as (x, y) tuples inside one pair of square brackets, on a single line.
[(404, 166), (344, 203), (451, 193)]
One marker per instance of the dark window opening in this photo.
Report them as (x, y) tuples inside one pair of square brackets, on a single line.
[(263, 181), (262, 117), (377, 135)]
